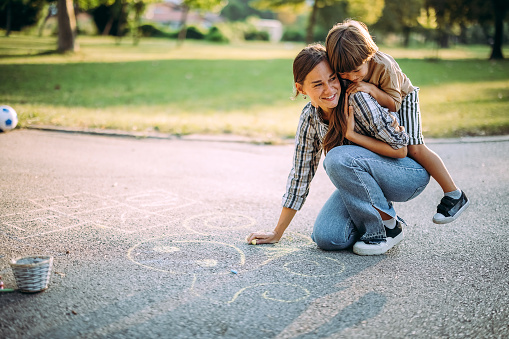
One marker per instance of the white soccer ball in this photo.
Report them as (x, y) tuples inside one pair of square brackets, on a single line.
[(8, 118)]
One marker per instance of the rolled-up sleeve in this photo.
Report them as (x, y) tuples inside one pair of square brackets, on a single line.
[(376, 121), (305, 163)]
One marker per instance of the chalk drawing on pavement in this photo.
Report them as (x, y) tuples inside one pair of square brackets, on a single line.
[(128, 213), (287, 293), (187, 256), (214, 222), (36, 223)]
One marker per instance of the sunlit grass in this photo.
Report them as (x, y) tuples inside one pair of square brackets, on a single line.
[(27, 49), (240, 89), (477, 108)]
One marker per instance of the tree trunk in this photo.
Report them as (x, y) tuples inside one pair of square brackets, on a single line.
[(183, 25), (463, 34), (139, 7), (48, 15), (66, 27), (115, 10), (311, 23), (500, 9), (108, 26), (406, 36), (8, 19), (121, 21), (443, 38)]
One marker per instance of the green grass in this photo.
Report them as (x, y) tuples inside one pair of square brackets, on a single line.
[(239, 89)]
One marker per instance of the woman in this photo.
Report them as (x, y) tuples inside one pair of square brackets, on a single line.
[(365, 159)]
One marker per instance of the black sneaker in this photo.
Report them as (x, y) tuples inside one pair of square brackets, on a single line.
[(380, 246), (450, 209)]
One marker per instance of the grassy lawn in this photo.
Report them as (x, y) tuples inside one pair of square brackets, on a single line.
[(239, 89)]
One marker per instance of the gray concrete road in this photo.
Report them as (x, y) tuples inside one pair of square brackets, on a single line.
[(148, 242)]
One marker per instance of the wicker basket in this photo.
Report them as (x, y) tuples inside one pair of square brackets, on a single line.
[(32, 273)]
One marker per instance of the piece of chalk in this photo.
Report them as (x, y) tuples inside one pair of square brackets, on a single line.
[(7, 290), (234, 272), (253, 241)]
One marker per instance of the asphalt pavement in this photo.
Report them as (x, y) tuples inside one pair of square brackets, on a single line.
[(147, 237)]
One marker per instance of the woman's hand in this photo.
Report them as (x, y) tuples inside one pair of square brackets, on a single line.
[(350, 121), (285, 218), (263, 238), (360, 86)]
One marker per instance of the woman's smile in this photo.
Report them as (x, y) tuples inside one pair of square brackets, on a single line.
[(330, 98)]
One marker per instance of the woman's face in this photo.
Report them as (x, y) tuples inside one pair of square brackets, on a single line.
[(322, 87)]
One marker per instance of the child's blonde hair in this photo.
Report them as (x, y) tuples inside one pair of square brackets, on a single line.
[(349, 45)]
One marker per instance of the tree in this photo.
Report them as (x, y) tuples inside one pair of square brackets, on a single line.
[(66, 27), (8, 19), (199, 5), (277, 4), (367, 11), (112, 16), (239, 10), (19, 14), (500, 7), (138, 7), (401, 16), (459, 12)]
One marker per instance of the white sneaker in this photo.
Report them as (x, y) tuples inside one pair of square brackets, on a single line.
[(380, 246)]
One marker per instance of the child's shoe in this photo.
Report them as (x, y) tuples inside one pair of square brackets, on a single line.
[(450, 209)]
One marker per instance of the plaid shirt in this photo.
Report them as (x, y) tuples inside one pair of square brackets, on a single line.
[(371, 119)]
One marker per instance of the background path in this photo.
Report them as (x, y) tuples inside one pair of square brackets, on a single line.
[(145, 235)]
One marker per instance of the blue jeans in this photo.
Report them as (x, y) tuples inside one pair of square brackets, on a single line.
[(366, 182)]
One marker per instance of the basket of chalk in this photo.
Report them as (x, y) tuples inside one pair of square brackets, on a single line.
[(32, 273)]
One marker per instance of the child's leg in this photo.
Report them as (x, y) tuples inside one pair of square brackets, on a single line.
[(454, 201), (433, 164)]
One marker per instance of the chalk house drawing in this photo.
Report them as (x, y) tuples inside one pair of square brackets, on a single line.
[(129, 213)]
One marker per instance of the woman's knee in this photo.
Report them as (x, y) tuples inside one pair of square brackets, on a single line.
[(338, 158), (336, 238), (328, 244)]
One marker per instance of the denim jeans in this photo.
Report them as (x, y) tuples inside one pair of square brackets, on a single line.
[(365, 182)]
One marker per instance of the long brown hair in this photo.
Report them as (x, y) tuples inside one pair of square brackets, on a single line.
[(303, 64), (337, 123), (349, 45)]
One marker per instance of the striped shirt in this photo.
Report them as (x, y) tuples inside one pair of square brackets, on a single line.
[(371, 119)]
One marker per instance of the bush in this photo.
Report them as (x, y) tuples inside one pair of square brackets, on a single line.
[(194, 33), (294, 34), (215, 35), (256, 35), (151, 31)]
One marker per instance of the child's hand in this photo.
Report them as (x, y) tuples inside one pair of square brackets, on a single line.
[(360, 86), (397, 127)]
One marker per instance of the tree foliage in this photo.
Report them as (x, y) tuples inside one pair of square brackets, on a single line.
[(18, 14), (401, 16), (455, 14), (237, 10), (198, 5), (367, 11)]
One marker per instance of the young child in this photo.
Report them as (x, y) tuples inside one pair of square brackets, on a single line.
[(355, 57)]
